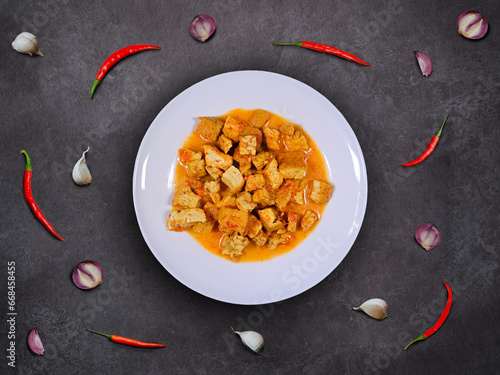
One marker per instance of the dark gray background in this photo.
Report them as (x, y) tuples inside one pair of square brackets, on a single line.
[(394, 111)]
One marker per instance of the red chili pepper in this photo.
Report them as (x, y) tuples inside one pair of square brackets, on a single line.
[(130, 342), (114, 58), (430, 147), (31, 202), (440, 321), (326, 49)]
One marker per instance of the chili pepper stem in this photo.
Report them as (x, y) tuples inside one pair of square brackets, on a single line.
[(99, 333), (28, 161), (421, 337), (299, 44), (438, 134), (94, 86)]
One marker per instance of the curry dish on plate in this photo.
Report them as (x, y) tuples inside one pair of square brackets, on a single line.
[(249, 185)]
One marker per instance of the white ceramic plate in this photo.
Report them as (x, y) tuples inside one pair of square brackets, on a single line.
[(285, 276)]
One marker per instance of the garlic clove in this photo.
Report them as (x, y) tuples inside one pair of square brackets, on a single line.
[(34, 342), (375, 308), (252, 340), (81, 173), (26, 43)]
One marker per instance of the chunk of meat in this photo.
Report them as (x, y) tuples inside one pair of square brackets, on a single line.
[(196, 169), (232, 128), (211, 211), (272, 138), (254, 226), (263, 197), (217, 159), (180, 219), (233, 179), (250, 130), (215, 173), (321, 192), (296, 142), (292, 220), (205, 227), (227, 201), (261, 238), (209, 128), (308, 219), (292, 164), (186, 156), (287, 129), (232, 220), (274, 240), (255, 181), (184, 197), (244, 161), (225, 143), (248, 145), (193, 183), (234, 245), (212, 186), (269, 219), (284, 194), (262, 159), (244, 201), (259, 118), (273, 176)]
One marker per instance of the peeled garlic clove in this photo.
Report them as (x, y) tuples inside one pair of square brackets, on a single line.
[(26, 43), (472, 25), (428, 236), (252, 340), (424, 62), (34, 342), (202, 27), (87, 274), (81, 173), (375, 307)]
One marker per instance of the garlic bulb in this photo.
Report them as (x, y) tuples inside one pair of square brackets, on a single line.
[(253, 341), (81, 173), (375, 307), (26, 43)]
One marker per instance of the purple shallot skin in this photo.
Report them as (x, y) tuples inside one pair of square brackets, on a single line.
[(87, 274)]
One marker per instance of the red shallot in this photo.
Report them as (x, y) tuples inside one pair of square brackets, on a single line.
[(424, 61), (428, 236), (202, 27), (34, 342), (472, 25), (87, 274)]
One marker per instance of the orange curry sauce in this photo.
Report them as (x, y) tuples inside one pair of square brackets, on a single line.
[(316, 170)]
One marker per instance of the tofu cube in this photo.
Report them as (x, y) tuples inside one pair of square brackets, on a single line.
[(232, 220), (215, 173), (196, 169), (274, 240), (321, 192), (250, 130), (217, 159), (272, 138), (244, 201), (292, 220), (180, 219), (248, 145), (211, 211), (233, 179), (287, 129), (212, 186), (292, 165), (205, 227), (232, 128), (184, 197), (193, 183), (308, 219), (209, 128), (225, 143), (244, 161), (227, 201), (259, 118), (273, 176)]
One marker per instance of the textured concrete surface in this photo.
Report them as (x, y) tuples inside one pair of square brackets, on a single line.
[(393, 110)]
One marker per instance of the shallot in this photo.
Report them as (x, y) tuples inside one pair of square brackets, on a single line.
[(472, 25), (428, 236), (424, 61), (34, 342), (87, 274), (202, 27)]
